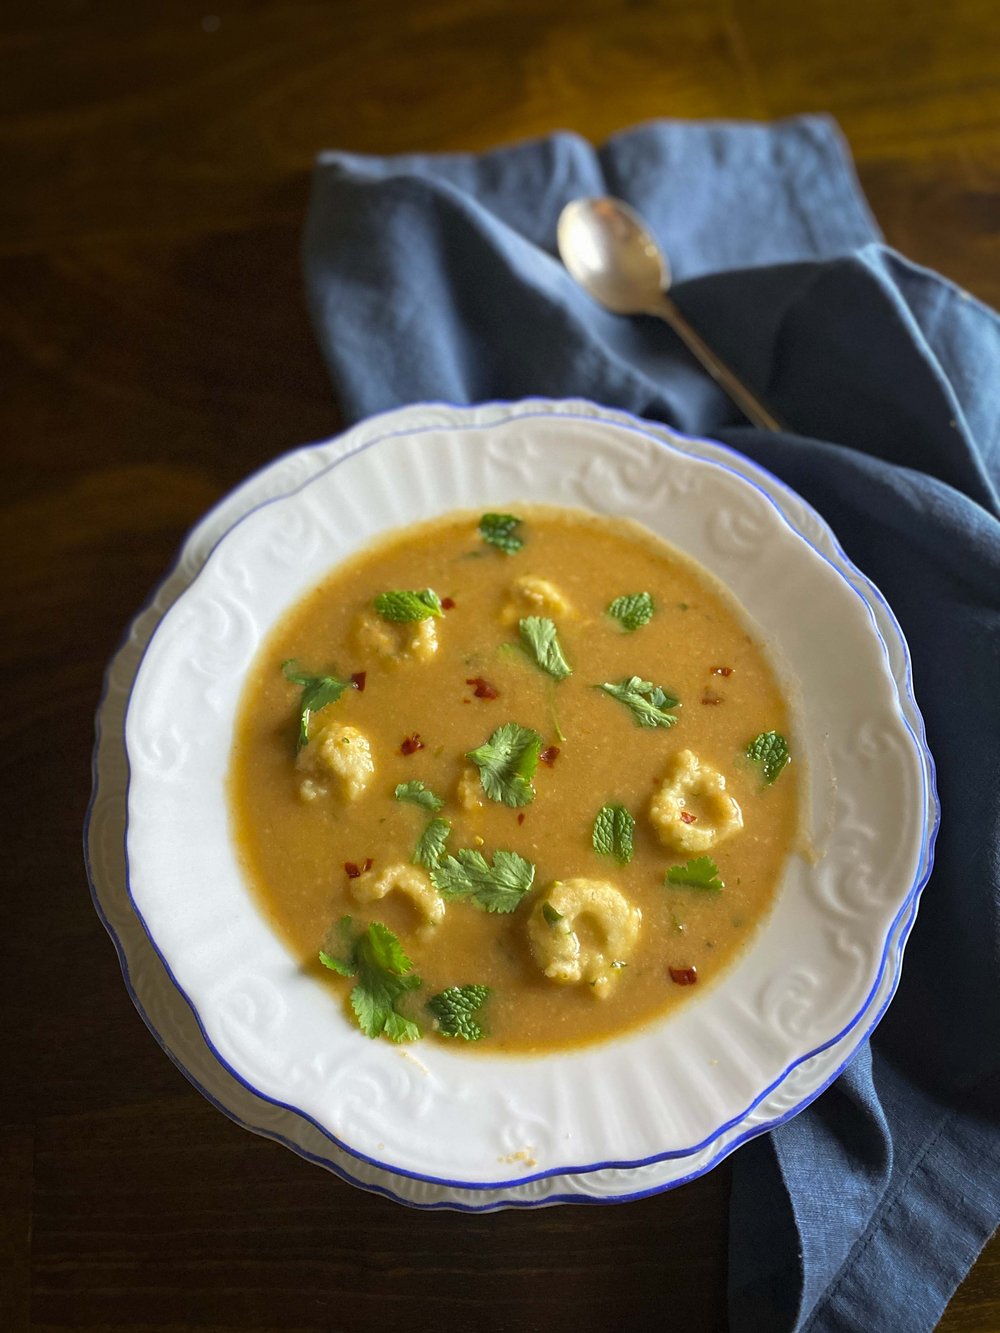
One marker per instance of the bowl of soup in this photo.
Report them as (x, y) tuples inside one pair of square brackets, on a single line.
[(524, 796)]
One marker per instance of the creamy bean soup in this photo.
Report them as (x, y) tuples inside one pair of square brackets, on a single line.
[(515, 781)]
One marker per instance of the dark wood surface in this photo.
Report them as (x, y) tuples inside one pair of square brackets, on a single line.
[(154, 350)]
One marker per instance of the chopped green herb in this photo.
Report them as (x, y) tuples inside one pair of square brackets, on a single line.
[(498, 530), (496, 888), (419, 794), (770, 751), (541, 642), (346, 933), (402, 604), (507, 763), (550, 914), (384, 975), (701, 873), (317, 692), (633, 610), (454, 1008), (614, 829), (430, 845), (551, 684), (646, 702), (678, 924), (341, 965), (560, 734)]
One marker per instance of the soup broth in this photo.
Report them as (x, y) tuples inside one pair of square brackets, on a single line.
[(645, 712)]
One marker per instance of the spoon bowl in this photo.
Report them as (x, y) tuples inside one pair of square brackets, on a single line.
[(609, 250)]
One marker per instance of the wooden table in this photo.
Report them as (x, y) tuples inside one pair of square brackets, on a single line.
[(154, 351)]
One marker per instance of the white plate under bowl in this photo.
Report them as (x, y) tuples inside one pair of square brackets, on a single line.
[(782, 1015)]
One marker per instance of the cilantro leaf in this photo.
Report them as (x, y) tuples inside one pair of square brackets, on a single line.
[(646, 702), (507, 763), (498, 530), (317, 692), (540, 641), (454, 1008), (419, 794), (347, 934), (384, 976), (398, 1028), (633, 610), (402, 604), (701, 873), (430, 844), (496, 888), (343, 966), (550, 914), (613, 833), (770, 751)]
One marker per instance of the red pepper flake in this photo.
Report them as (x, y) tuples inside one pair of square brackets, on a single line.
[(411, 744), (353, 870), (684, 976), (483, 688), (520, 817), (722, 671), (549, 755), (358, 681), (447, 603), (712, 699), (688, 818)]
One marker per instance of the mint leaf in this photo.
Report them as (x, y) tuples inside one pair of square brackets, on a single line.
[(498, 530), (317, 692), (701, 873), (454, 1008), (633, 610), (496, 888), (401, 604), (613, 833), (540, 641), (418, 794), (770, 751), (646, 702), (431, 842), (507, 763)]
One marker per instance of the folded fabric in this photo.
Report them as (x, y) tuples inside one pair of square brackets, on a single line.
[(436, 277)]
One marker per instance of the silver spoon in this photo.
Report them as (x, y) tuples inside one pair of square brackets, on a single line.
[(611, 253)]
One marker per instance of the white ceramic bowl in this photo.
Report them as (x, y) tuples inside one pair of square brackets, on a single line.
[(688, 1088)]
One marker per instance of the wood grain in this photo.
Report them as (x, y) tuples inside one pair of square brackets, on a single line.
[(266, 1241), (153, 351)]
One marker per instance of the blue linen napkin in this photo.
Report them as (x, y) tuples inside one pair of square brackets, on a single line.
[(435, 277)]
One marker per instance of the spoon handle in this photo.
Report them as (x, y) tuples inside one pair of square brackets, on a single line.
[(751, 406)]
